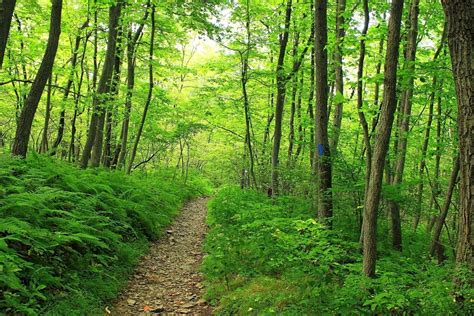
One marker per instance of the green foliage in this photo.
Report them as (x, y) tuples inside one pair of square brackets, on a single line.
[(69, 237), (271, 257)]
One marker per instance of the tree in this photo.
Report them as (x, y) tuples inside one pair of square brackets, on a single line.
[(382, 137), (150, 92), (67, 90), (460, 34), (324, 168), (339, 74), (6, 14), (22, 135), (404, 122), (132, 42), (102, 95), (280, 99)]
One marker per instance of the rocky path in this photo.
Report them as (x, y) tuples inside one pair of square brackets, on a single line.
[(167, 281)]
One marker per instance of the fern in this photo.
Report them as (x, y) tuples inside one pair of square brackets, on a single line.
[(60, 225)]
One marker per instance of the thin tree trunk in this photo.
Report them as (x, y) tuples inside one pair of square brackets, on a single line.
[(382, 137), (72, 144), (444, 211), (20, 145), (424, 147), (291, 135), (244, 80), (312, 154), (131, 51), (321, 118), (405, 105), (360, 102), (107, 156), (6, 14), (150, 92), (44, 140), (101, 96), (339, 74), (280, 99), (299, 146), (67, 89)]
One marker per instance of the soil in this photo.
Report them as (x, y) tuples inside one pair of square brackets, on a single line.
[(167, 280)]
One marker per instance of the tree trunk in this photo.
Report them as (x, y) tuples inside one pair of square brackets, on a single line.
[(382, 137), (299, 146), (6, 14), (20, 145), (44, 139), (460, 25), (294, 91), (339, 74), (107, 156), (324, 167), (102, 94), (312, 154), (404, 115), (280, 99), (244, 80), (444, 211), (131, 50), (360, 102), (424, 146), (67, 90), (72, 144), (150, 92)]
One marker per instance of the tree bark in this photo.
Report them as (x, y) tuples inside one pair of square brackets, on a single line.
[(444, 211), (360, 101), (244, 80), (324, 167), (280, 99), (107, 156), (339, 74), (6, 14), (131, 52), (67, 89), (47, 114), (312, 154), (150, 92), (404, 115), (382, 136), (426, 140), (460, 28), (20, 145), (294, 91), (102, 94)]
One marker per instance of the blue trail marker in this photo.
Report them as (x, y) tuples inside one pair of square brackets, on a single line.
[(321, 149)]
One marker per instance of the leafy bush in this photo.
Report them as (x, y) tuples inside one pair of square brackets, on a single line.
[(267, 257), (69, 237)]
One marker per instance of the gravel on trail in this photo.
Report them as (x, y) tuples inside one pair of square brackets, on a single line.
[(167, 280)]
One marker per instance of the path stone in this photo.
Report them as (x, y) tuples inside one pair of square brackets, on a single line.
[(167, 281)]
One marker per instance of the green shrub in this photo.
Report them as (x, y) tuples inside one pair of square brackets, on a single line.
[(271, 257)]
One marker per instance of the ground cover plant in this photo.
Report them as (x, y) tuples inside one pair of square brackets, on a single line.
[(272, 257), (69, 237)]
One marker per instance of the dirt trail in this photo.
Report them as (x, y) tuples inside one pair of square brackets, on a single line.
[(167, 281)]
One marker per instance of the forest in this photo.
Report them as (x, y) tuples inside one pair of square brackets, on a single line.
[(236, 157)]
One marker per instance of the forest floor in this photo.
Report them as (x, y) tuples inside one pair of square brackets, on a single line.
[(167, 280)]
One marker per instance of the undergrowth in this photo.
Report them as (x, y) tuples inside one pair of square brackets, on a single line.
[(70, 237), (269, 257)]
